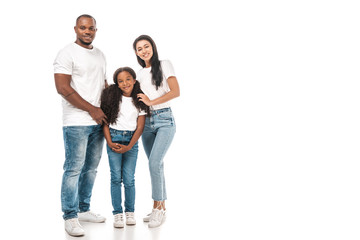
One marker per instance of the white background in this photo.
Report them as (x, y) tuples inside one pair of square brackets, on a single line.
[(267, 143)]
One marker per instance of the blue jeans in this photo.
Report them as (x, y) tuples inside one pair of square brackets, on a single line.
[(83, 149), (158, 134), (122, 169)]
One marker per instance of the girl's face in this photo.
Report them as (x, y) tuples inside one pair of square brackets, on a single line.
[(126, 83), (144, 51)]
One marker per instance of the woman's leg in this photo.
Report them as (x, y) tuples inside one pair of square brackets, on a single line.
[(163, 139)]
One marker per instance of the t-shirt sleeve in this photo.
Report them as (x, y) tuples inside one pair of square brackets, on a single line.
[(167, 68), (142, 112), (63, 63)]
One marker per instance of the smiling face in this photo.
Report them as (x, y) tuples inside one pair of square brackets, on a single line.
[(85, 30), (145, 51), (126, 83)]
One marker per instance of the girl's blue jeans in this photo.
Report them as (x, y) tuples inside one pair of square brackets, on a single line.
[(122, 169)]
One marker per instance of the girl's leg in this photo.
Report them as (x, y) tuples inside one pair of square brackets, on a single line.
[(128, 174), (115, 162)]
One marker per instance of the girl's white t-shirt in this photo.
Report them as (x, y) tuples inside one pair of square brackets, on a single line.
[(128, 115), (144, 77)]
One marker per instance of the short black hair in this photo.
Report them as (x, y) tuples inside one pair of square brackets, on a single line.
[(85, 15)]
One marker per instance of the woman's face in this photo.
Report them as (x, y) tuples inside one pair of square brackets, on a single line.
[(126, 83), (144, 50)]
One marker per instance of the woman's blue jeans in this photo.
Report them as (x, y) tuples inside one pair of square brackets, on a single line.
[(158, 134), (83, 149), (122, 169)]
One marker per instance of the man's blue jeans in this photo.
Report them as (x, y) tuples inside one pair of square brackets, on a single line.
[(83, 149)]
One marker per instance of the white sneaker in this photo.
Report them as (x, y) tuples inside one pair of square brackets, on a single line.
[(73, 227), (91, 217), (130, 219), (157, 218), (147, 218), (118, 220)]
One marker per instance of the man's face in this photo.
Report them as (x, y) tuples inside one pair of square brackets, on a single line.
[(85, 30)]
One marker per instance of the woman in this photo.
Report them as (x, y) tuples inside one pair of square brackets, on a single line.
[(159, 84)]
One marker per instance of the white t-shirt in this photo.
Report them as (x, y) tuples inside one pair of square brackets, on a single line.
[(128, 115), (144, 77), (87, 68)]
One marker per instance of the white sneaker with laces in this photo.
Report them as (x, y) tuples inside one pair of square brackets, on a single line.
[(91, 217), (118, 220), (73, 227), (157, 218), (130, 218), (147, 218)]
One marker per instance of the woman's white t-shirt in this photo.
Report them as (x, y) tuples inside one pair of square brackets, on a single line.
[(128, 115), (145, 78)]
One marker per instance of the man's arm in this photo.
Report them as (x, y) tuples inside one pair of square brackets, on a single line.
[(63, 87)]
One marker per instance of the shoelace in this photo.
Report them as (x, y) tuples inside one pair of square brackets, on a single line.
[(129, 215), (94, 214), (118, 217), (74, 223), (157, 215)]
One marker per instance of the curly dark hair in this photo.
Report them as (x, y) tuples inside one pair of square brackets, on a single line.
[(112, 96)]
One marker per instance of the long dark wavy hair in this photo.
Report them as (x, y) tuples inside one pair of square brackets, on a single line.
[(156, 71), (112, 96)]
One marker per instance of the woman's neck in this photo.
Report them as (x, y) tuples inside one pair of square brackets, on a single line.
[(147, 64)]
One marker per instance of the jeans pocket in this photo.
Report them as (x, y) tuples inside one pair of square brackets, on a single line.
[(165, 115)]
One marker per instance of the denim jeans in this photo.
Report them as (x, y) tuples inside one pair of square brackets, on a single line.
[(158, 134), (83, 149), (122, 169)]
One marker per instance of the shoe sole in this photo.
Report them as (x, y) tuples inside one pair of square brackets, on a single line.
[(81, 220), (118, 226), (76, 234)]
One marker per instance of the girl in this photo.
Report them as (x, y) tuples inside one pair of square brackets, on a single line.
[(126, 116), (158, 81)]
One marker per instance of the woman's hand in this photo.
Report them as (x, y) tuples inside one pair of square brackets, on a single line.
[(121, 148), (142, 97)]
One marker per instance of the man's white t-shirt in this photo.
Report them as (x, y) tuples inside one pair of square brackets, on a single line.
[(144, 77), (87, 68), (128, 115)]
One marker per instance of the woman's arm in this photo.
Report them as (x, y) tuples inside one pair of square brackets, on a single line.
[(173, 93), (139, 130)]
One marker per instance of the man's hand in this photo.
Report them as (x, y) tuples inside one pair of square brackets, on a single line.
[(98, 115)]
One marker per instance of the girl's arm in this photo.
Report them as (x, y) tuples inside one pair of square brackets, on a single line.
[(139, 130), (113, 146), (173, 93)]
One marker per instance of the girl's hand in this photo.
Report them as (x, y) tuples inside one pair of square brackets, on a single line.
[(121, 148), (144, 99), (114, 146)]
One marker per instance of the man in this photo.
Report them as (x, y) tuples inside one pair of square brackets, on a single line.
[(80, 77)]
